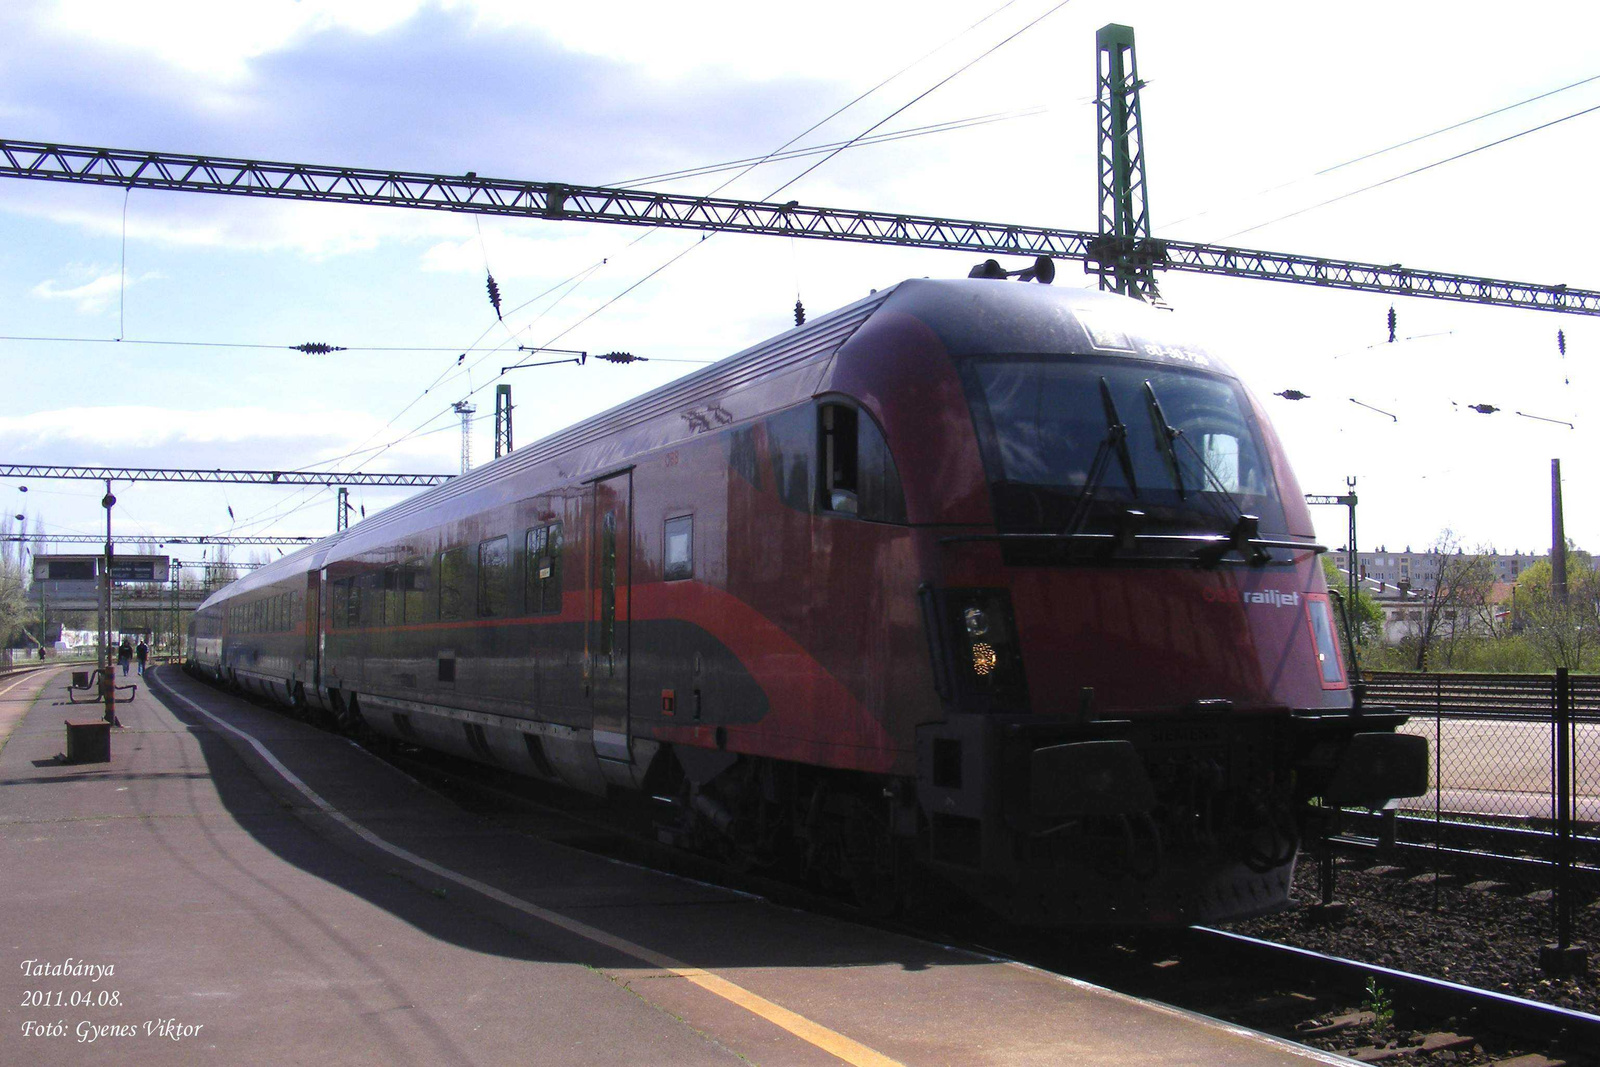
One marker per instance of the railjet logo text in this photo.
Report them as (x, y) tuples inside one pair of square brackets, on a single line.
[(1270, 597)]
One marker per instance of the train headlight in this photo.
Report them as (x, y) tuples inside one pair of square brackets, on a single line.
[(984, 658), (977, 623)]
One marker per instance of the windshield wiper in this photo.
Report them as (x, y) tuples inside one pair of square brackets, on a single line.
[(1165, 434), (1116, 439), (1244, 529)]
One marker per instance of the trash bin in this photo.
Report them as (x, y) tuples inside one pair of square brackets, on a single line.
[(88, 741), (80, 679)]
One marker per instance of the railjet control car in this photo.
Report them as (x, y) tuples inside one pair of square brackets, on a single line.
[(1004, 580)]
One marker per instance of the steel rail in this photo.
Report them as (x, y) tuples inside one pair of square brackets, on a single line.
[(184, 172), (1515, 1014), (239, 477)]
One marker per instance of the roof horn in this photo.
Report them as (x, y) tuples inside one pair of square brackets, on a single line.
[(1043, 271)]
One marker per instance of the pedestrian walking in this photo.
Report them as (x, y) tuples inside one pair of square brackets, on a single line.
[(125, 655), (142, 653)]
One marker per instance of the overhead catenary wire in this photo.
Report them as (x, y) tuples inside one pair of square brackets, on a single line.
[(947, 126), (833, 153), (1414, 171), (1384, 151)]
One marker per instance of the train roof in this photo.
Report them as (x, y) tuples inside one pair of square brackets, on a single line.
[(971, 317)]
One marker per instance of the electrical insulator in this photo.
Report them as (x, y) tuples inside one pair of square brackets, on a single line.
[(1561, 341), (799, 313), (494, 295), (621, 357), (1392, 321), (1293, 394), (317, 348)]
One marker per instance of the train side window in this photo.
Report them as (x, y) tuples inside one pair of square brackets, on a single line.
[(791, 439), (552, 583), (415, 586), (352, 603), (608, 584), (494, 566), (858, 475), (544, 569), (454, 589), (678, 549), (368, 593), (372, 604), (393, 596)]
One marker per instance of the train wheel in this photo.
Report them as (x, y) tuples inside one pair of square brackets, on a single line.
[(871, 860)]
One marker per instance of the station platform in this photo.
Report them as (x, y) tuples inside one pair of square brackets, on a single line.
[(237, 887)]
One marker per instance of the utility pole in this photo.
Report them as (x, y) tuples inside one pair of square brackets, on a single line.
[(466, 409), (342, 520), (1558, 535), (502, 420)]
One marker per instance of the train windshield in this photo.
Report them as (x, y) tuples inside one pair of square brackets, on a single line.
[(1190, 456)]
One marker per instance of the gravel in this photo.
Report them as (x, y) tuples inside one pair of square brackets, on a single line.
[(1466, 926)]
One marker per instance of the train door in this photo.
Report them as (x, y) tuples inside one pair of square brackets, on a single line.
[(313, 640), (609, 612)]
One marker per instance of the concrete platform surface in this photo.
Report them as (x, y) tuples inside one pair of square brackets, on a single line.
[(236, 887)]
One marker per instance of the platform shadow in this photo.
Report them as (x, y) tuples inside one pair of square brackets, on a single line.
[(692, 923)]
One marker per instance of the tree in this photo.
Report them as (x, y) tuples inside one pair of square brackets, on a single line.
[(1564, 634), (13, 584), (1454, 599)]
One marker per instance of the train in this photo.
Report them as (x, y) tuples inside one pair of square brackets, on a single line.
[(996, 582)]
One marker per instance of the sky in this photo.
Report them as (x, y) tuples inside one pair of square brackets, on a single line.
[(1246, 107)]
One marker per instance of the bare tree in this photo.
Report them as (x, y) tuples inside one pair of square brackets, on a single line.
[(1453, 604)]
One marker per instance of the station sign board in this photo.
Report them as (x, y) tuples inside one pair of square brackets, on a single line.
[(87, 568), (72, 582)]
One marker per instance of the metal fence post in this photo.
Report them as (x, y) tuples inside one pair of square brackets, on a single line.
[(1563, 957), (1439, 781)]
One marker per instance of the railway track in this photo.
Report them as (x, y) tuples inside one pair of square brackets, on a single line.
[(1512, 697)]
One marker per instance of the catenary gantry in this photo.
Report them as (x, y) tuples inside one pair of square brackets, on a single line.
[(184, 172), (238, 477)]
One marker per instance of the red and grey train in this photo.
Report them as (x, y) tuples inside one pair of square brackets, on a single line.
[(1007, 581)]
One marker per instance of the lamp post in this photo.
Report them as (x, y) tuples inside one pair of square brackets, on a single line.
[(108, 680)]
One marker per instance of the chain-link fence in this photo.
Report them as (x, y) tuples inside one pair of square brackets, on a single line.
[(1493, 739), (1491, 819)]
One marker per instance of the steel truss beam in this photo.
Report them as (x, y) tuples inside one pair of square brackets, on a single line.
[(161, 539), (640, 207), (243, 477)]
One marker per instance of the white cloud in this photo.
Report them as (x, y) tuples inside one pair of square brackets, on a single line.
[(98, 293), (217, 41), (262, 437)]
